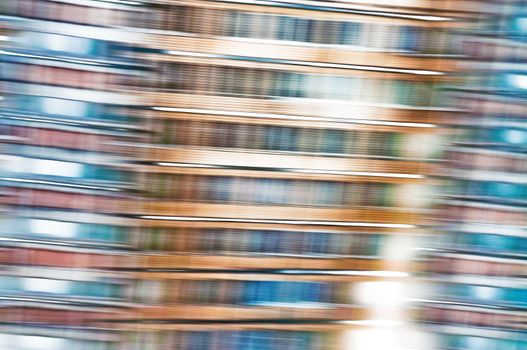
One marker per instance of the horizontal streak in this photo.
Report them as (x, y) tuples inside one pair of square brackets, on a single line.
[(303, 171), (55, 183), (307, 63), (289, 116), (271, 221), (327, 8), (347, 273)]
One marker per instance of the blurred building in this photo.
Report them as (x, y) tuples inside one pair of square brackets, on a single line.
[(478, 291), (218, 174), (287, 172), (68, 109)]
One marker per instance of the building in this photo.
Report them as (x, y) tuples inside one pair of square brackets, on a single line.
[(67, 111), (287, 173), (477, 295), (270, 169)]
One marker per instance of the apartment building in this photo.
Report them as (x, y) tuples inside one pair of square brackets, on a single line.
[(477, 296), (253, 174), (288, 171), (68, 108)]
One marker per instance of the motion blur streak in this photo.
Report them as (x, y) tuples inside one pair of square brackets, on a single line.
[(263, 175)]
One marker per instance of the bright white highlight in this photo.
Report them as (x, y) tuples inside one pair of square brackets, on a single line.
[(63, 107), (518, 80), (522, 23), (30, 342), (516, 136), (44, 285), (399, 248), (373, 339), (486, 293), (53, 228), (387, 293), (57, 168), (43, 166)]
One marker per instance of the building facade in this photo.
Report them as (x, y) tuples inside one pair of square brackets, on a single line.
[(477, 295), (288, 172), (253, 174), (68, 111)]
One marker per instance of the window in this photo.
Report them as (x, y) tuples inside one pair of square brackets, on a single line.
[(333, 141), (286, 28), (409, 39), (243, 24), (350, 33), (302, 26), (316, 243)]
